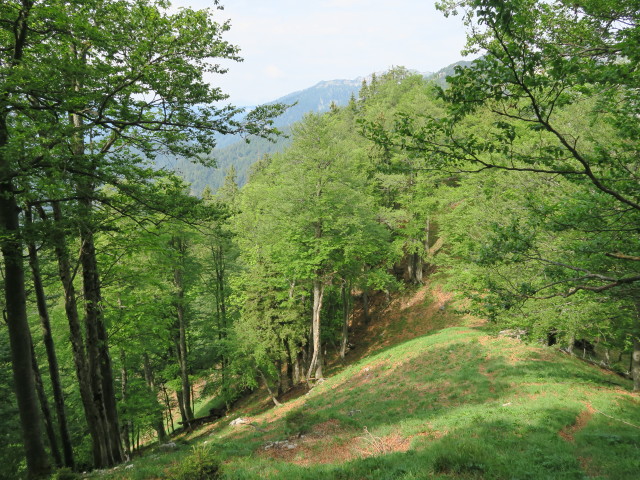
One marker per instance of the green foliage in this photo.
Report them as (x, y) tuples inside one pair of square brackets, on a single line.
[(65, 474), (201, 464)]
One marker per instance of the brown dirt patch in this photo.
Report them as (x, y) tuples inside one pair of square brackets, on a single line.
[(568, 433), (371, 445), (327, 443), (404, 318)]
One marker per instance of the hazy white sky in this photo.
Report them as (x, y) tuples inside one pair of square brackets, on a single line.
[(289, 45)]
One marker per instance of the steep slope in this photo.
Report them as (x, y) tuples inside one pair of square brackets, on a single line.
[(454, 402)]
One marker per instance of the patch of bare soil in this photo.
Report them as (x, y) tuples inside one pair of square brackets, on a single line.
[(326, 443), (403, 318), (370, 445), (568, 432)]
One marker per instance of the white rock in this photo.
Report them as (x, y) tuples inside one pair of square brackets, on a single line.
[(239, 421)]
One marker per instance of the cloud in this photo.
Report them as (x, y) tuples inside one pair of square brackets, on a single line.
[(272, 71)]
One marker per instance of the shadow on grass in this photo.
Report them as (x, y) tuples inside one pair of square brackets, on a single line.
[(470, 410)]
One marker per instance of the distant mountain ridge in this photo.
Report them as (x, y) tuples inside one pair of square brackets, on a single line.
[(237, 152)]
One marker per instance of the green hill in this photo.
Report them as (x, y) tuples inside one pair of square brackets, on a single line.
[(454, 402)]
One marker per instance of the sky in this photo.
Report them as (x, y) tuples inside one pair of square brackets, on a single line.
[(290, 45)]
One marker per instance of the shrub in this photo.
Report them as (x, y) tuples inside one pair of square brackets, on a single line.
[(65, 474), (202, 464)]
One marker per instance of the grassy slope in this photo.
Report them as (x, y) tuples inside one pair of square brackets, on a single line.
[(454, 402)]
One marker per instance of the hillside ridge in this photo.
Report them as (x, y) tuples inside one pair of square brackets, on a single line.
[(437, 394)]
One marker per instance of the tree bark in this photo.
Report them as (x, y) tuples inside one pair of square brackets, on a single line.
[(180, 246), (266, 384), (96, 333), (167, 401), (52, 358), (316, 358), (345, 318), (158, 424), (124, 384), (16, 316), (94, 420), (183, 413), (46, 411), (635, 355)]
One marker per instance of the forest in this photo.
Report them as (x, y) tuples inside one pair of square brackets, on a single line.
[(127, 300)]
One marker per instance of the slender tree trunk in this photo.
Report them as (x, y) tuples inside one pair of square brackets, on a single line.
[(67, 274), (158, 424), (183, 414), (46, 411), (167, 401), (635, 355), (52, 359), (316, 361), (124, 384), (16, 318), (11, 245), (266, 384), (365, 305), (180, 247), (97, 342), (345, 317), (290, 364)]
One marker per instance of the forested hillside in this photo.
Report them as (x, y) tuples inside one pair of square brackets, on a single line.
[(241, 153), (130, 304)]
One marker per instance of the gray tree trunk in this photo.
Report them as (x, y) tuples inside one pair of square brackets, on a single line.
[(67, 274), (180, 246), (16, 319), (52, 358), (46, 411), (158, 423), (346, 303), (315, 365)]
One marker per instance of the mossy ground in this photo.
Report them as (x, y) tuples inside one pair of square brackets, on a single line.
[(455, 402)]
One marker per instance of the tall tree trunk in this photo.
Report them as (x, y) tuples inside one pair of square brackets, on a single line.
[(266, 384), (183, 413), (52, 359), (221, 309), (11, 244), (16, 317), (92, 416), (316, 359), (97, 341), (346, 303), (180, 246), (365, 305), (290, 364), (167, 401), (46, 411), (635, 355), (124, 384), (158, 424)]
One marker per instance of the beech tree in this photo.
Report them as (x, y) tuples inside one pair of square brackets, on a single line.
[(308, 212), (82, 84), (553, 94)]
